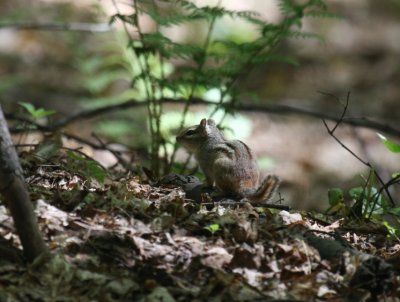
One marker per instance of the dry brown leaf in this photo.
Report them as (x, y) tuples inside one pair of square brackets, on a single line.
[(216, 257)]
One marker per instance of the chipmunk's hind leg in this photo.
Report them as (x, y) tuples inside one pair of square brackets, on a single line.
[(225, 178)]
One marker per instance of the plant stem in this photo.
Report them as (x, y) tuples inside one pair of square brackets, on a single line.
[(193, 88)]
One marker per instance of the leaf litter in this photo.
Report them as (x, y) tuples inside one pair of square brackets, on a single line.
[(125, 240)]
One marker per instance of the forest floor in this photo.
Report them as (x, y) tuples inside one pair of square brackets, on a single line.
[(128, 240), (125, 240)]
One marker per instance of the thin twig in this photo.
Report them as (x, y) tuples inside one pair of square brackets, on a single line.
[(82, 140), (190, 100), (151, 103), (331, 133), (369, 165), (117, 155)]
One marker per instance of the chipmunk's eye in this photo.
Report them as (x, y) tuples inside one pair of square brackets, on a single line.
[(190, 132)]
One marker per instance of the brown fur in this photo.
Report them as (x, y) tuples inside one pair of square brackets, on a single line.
[(229, 165)]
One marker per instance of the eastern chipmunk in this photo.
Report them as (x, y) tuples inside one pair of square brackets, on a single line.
[(229, 164)]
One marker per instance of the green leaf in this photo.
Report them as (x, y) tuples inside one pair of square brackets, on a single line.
[(39, 113), (27, 106), (213, 228), (372, 201), (73, 155), (358, 192), (391, 146), (392, 230), (363, 192), (396, 175), (36, 113), (335, 196), (88, 167), (95, 171)]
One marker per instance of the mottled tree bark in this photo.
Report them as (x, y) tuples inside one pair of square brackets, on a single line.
[(15, 193)]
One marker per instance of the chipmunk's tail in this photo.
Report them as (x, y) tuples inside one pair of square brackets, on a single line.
[(266, 190)]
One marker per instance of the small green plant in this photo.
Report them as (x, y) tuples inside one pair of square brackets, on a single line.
[(213, 228), (35, 117), (394, 212), (36, 113), (89, 168), (336, 201), (391, 146), (368, 201), (211, 64)]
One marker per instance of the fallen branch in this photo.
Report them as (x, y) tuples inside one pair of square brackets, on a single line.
[(16, 196)]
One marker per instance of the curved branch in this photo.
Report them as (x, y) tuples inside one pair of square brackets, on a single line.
[(270, 109)]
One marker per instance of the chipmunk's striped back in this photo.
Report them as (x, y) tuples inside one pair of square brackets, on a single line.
[(228, 164)]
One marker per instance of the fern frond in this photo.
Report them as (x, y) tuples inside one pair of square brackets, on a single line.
[(317, 3), (247, 14), (207, 78), (269, 28), (215, 11), (150, 43), (188, 5), (251, 17), (241, 48), (172, 19), (287, 7), (227, 71), (130, 19), (185, 51)]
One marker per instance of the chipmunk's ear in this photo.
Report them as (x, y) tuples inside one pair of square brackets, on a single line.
[(211, 122), (203, 123)]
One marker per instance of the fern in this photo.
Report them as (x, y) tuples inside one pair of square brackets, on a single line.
[(210, 64), (169, 20), (287, 7)]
